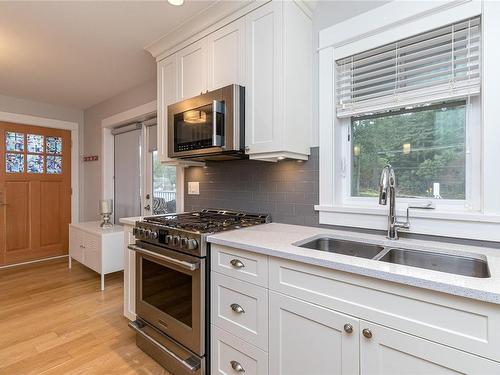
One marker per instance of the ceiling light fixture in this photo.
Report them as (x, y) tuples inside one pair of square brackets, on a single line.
[(176, 2)]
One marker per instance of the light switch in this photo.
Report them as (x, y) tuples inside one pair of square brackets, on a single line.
[(194, 188)]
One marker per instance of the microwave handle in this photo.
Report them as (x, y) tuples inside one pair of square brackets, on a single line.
[(217, 107)]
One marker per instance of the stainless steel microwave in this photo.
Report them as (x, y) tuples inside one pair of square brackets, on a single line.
[(209, 126)]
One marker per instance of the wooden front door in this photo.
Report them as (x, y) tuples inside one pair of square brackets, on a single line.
[(35, 192)]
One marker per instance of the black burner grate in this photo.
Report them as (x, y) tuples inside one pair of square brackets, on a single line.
[(208, 220)]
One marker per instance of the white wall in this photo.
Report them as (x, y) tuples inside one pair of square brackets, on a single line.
[(93, 116), (32, 108), (328, 13)]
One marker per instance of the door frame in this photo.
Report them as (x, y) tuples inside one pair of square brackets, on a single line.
[(139, 113), (46, 122)]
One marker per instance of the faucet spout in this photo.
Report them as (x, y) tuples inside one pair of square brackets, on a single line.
[(387, 190)]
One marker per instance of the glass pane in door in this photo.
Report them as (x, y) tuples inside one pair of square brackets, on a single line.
[(168, 290), (164, 180)]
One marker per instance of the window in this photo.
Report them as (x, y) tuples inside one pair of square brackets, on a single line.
[(409, 104), (164, 189), (425, 146), (39, 150)]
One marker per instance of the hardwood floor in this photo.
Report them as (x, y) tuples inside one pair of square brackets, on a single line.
[(54, 320)]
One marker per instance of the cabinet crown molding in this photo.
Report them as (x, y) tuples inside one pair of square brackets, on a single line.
[(200, 25)]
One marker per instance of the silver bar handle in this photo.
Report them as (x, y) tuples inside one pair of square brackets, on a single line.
[(426, 206), (135, 326), (187, 265), (217, 107)]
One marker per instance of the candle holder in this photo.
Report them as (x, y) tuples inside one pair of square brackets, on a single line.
[(105, 210)]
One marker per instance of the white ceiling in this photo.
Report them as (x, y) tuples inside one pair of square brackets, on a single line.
[(79, 53)]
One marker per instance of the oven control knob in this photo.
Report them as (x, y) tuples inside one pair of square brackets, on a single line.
[(168, 239), (184, 242), (154, 235), (192, 244), (140, 231), (147, 233), (176, 240)]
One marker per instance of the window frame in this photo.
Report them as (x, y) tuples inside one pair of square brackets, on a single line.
[(147, 177), (472, 201), (380, 26)]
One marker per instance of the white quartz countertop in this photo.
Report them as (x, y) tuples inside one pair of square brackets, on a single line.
[(277, 240), (130, 220), (95, 227)]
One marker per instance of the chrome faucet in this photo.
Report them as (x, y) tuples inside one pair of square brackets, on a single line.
[(387, 187)]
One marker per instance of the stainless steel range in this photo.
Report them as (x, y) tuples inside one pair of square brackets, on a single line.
[(173, 286)]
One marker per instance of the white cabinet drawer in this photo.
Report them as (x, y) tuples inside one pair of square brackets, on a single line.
[(462, 323), (230, 354), (240, 264), (241, 309)]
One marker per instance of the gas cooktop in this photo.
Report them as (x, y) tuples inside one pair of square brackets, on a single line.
[(208, 221)]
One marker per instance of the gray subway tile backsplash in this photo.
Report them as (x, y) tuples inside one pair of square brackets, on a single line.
[(288, 190)]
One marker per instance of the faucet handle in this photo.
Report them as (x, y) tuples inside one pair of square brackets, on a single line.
[(426, 206)]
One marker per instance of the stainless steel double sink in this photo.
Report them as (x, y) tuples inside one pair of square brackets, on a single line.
[(455, 264)]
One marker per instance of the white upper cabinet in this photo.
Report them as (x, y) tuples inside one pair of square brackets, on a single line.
[(268, 50), (167, 94), (278, 82), (192, 69), (226, 56)]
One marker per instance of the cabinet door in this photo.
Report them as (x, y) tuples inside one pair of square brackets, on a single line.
[(264, 73), (391, 352), (75, 244), (309, 339), (226, 55), (167, 94), (92, 252), (192, 69)]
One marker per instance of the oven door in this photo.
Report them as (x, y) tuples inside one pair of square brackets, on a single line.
[(170, 294), (203, 125)]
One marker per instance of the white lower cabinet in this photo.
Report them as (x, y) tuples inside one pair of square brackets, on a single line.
[(316, 321), (96, 248), (309, 339), (231, 355), (391, 352)]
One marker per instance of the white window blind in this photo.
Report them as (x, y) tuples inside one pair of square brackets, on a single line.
[(437, 65)]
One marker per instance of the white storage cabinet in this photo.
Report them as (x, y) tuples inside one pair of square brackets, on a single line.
[(98, 249)]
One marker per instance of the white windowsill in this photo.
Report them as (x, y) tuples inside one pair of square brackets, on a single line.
[(415, 213), (470, 225)]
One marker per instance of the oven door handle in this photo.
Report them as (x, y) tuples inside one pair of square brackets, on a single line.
[(191, 367), (186, 265)]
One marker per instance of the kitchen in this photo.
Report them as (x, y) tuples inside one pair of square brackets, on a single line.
[(290, 187)]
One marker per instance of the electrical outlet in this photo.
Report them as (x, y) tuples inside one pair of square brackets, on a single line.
[(194, 188)]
